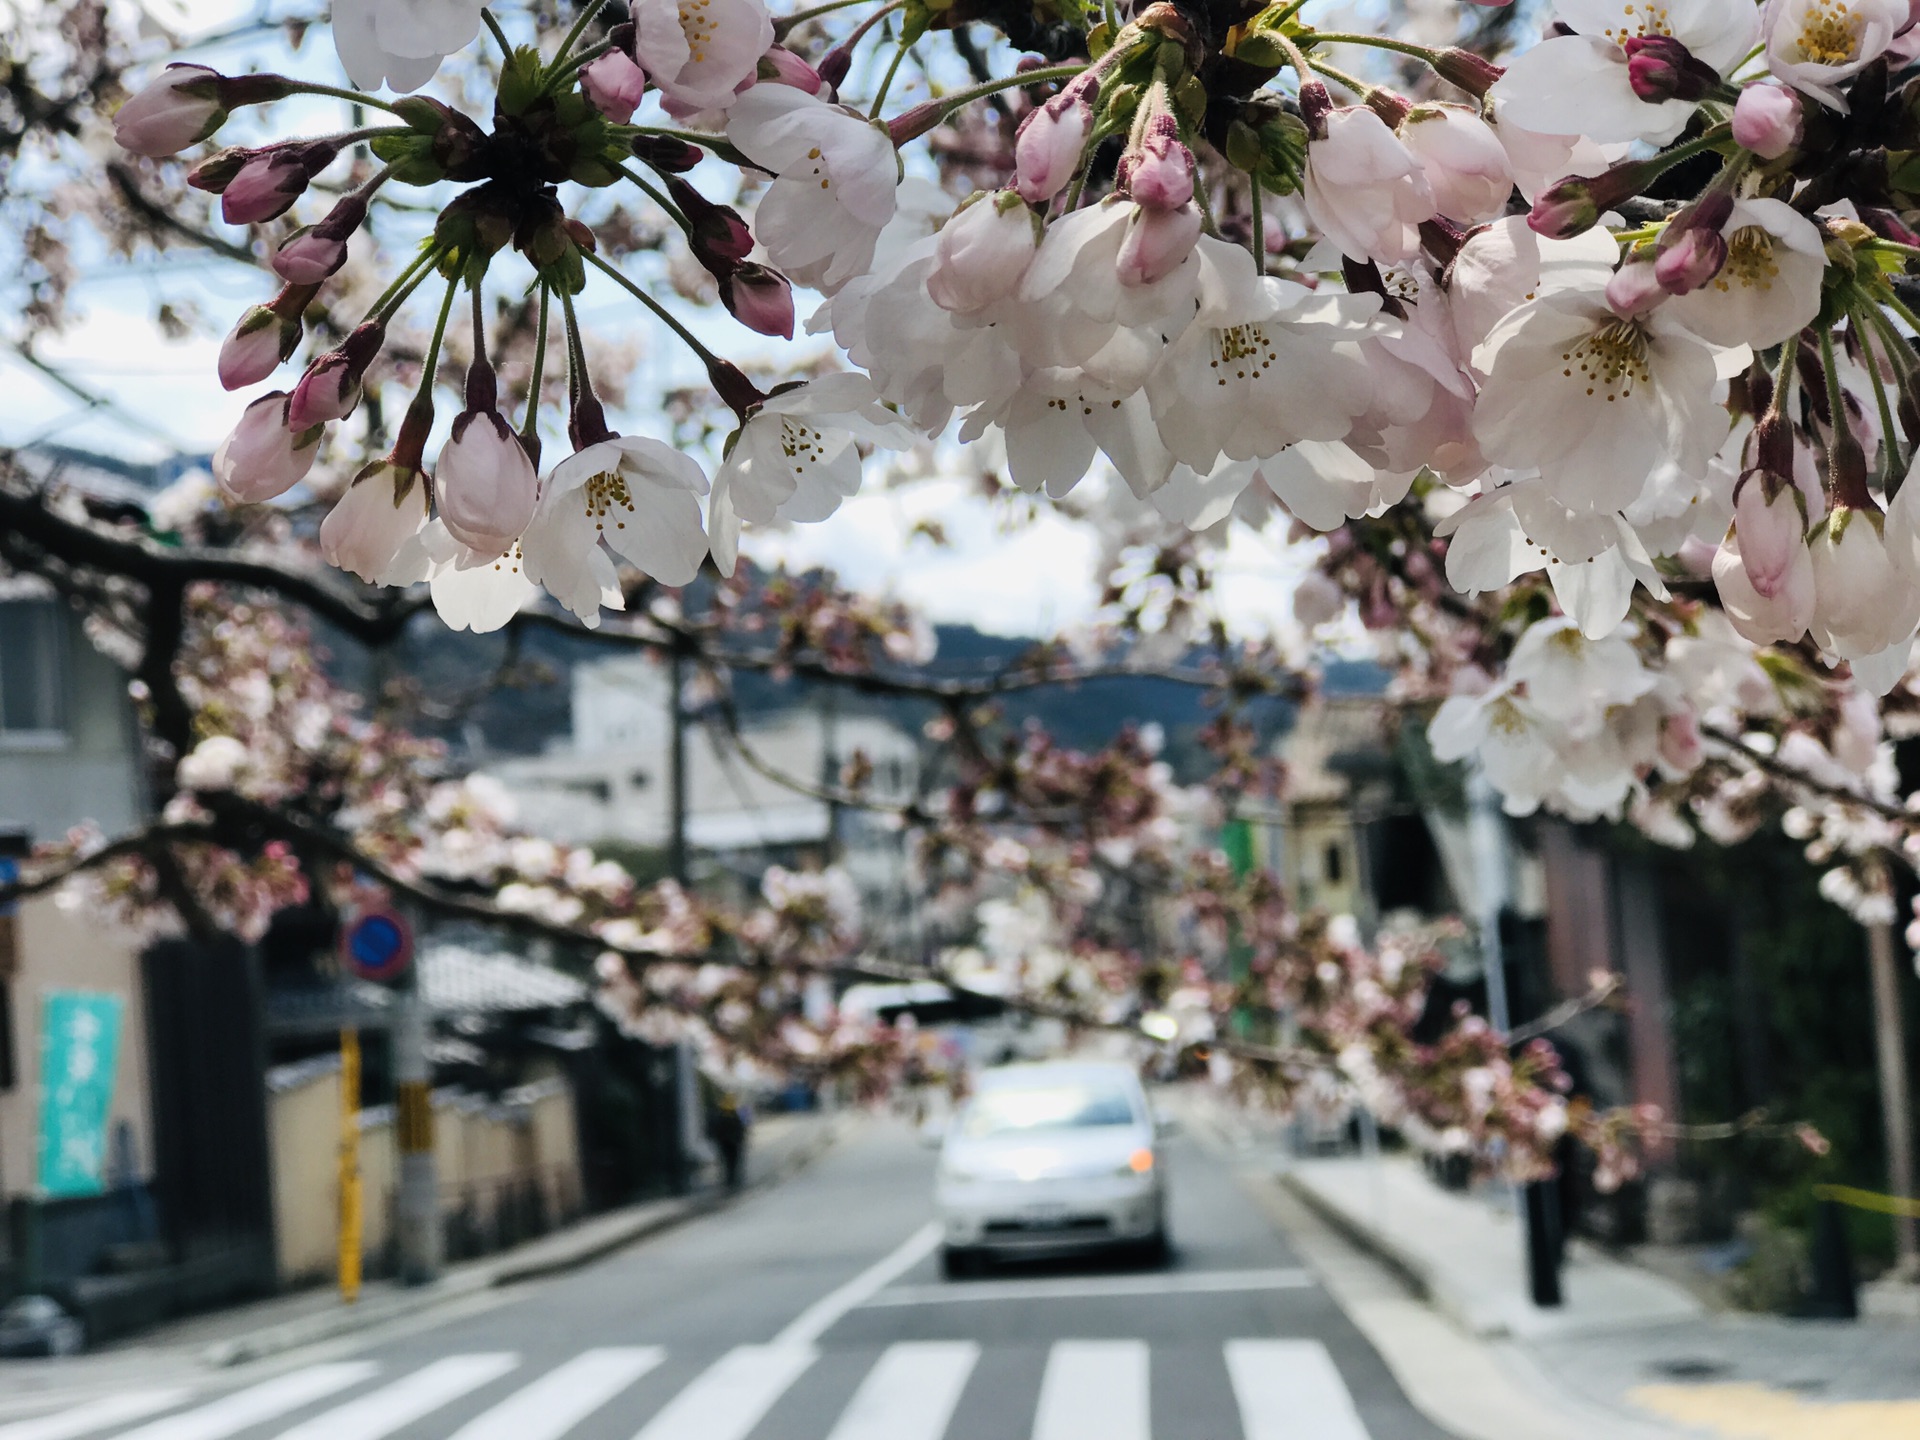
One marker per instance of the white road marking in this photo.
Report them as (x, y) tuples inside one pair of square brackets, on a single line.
[(731, 1395), (821, 1316), (394, 1407), (1094, 1390), (94, 1415), (1089, 1287), (257, 1404), (1291, 1390), (910, 1393), (564, 1396)]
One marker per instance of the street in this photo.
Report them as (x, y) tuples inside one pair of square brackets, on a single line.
[(814, 1310)]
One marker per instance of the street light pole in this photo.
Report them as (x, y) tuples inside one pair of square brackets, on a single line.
[(417, 1202), (677, 767), (1889, 1036), (1539, 1201)]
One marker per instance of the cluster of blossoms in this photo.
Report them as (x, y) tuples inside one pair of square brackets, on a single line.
[(1631, 310), (1630, 313)]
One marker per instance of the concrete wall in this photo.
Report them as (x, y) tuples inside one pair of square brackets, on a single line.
[(484, 1150), (50, 783), (67, 950)]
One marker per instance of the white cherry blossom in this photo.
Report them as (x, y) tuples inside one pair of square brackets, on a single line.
[(834, 192), (1769, 288), (700, 52), (1577, 84)]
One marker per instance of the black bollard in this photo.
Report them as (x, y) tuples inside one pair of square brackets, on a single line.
[(1833, 1296), (1545, 1244)]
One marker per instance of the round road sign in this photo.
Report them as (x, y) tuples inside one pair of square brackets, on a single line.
[(377, 945)]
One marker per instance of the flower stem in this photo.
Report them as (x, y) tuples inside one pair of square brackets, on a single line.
[(432, 362), (1259, 225), (499, 35), (404, 284), (587, 12), (640, 294), (659, 197), (561, 74), (783, 23), (859, 32), (1042, 76), (886, 81), (538, 375), (1378, 42), (1889, 441), (1340, 77), (307, 87)]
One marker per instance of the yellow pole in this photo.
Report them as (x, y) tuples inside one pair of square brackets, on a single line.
[(350, 1216)]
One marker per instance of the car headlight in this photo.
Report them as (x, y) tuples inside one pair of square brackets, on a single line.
[(1138, 1166)]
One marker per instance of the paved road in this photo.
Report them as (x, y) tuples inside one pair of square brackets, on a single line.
[(814, 1311)]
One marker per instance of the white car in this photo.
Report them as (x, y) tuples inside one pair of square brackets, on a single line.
[(1051, 1157)]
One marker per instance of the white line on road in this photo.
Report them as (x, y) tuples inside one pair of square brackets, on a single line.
[(94, 1415), (825, 1313), (1291, 1390), (1094, 1390), (393, 1407), (257, 1404), (911, 1393), (731, 1395), (564, 1396), (1091, 1287)]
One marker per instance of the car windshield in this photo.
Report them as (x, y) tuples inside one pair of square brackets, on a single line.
[(1030, 1110)]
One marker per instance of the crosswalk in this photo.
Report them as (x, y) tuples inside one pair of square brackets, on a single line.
[(1281, 1389)]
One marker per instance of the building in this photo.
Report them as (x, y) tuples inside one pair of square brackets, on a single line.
[(611, 779)]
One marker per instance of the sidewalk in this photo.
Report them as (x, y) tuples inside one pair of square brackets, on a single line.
[(1629, 1356), (183, 1352)]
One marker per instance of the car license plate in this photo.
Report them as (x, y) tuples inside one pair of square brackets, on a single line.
[(1046, 1217)]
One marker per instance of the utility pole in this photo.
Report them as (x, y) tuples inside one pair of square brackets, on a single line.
[(1540, 1200), (350, 1193), (830, 766), (417, 1221), (677, 765), (1889, 1037)]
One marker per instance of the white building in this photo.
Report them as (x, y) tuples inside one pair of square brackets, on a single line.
[(612, 780)]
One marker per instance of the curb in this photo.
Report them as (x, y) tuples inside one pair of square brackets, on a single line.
[(1407, 1269), (659, 1216)]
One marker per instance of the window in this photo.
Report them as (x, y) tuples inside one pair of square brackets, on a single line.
[(1023, 1111), (1336, 864), (32, 668)]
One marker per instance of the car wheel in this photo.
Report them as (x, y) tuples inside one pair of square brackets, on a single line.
[(959, 1264), (1156, 1250)]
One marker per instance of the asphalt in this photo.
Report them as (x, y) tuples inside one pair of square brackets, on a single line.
[(798, 1274)]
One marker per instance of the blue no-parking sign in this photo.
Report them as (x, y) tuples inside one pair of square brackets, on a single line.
[(377, 945)]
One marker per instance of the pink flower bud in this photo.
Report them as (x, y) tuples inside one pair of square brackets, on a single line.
[(615, 85), (262, 458), (1465, 164), (1159, 175), (1772, 531), (1634, 289), (1157, 242), (252, 350), (1048, 145), (982, 253), (264, 188), (760, 299), (384, 508), (328, 391), (783, 67), (1660, 68), (1690, 261), (178, 108), (309, 257), (1767, 120), (487, 485)]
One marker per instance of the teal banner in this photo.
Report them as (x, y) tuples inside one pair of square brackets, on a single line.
[(79, 1048)]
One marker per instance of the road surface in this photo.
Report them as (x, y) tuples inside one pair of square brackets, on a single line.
[(814, 1311)]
